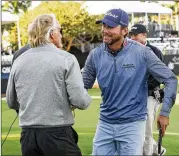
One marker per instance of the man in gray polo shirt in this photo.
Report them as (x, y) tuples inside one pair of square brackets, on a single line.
[(44, 84)]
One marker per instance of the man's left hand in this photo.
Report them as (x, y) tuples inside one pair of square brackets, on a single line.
[(162, 122)]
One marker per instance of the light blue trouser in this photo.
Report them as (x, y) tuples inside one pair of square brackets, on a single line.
[(123, 139)]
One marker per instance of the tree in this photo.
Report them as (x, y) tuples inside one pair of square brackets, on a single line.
[(17, 8), (78, 26), (176, 12), (175, 8)]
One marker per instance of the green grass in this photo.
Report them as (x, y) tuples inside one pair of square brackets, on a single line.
[(94, 92), (85, 125)]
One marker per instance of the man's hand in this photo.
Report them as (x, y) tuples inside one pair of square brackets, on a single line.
[(73, 110), (73, 107), (162, 122)]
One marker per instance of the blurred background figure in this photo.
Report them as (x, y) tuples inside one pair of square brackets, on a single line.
[(139, 33)]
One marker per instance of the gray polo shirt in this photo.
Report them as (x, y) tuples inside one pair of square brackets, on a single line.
[(43, 85)]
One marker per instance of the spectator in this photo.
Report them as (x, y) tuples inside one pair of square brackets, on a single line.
[(139, 34)]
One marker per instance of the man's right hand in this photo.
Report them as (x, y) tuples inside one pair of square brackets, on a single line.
[(162, 122)]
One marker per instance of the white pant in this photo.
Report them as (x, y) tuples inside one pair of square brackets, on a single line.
[(152, 107)]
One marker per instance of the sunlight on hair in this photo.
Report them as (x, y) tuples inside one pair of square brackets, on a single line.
[(39, 30)]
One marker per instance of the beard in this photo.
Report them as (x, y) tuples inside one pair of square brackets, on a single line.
[(111, 39)]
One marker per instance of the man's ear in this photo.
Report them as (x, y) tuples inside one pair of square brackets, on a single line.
[(51, 35), (125, 31), (145, 34)]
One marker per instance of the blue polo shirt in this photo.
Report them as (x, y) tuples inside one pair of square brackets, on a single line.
[(122, 79)]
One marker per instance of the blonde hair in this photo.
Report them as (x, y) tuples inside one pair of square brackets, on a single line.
[(39, 30)]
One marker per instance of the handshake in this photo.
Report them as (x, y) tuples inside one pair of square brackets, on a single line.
[(73, 107)]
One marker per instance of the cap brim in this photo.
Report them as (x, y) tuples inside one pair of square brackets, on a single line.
[(133, 33), (107, 22)]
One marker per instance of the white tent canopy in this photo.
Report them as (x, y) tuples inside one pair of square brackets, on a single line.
[(11, 18), (131, 7), (100, 7), (8, 18)]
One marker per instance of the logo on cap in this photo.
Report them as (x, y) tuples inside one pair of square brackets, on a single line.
[(110, 14), (134, 28), (115, 17)]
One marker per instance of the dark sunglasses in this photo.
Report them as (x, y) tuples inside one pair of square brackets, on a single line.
[(60, 30)]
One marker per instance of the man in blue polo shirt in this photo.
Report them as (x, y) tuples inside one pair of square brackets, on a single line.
[(121, 67)]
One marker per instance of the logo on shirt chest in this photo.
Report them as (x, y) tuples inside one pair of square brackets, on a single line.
[(128, 66)]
